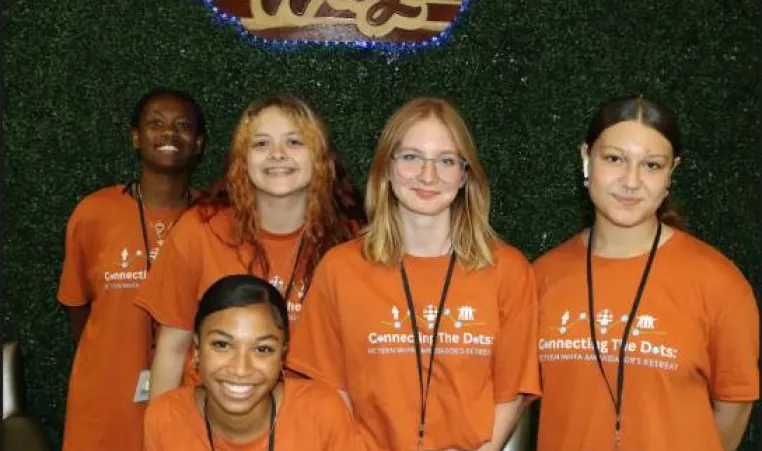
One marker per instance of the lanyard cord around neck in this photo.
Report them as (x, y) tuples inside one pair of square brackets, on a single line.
[(291, 279), (424, 391), (271, 434), (137, 192), (616, 400)]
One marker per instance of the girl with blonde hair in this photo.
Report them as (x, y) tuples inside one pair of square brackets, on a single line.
[(426, 323)]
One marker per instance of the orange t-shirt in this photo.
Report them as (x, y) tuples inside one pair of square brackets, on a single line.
[(105, 262), (694, 338), (198, 254), (355, 335), (312, 417)]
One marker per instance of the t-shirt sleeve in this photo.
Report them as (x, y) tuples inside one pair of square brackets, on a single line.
[(316, 348), (154, 430), (342, 433), (734, 339), (170, 292), (74, 287), (516, 365)]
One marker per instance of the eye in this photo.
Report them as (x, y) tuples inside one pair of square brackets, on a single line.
[(154, 123), (264, 349), (408, 156), (183, 125), (653, 166), (612, 158), (295, 142), (448, 161), (259, 144), (219, 344)]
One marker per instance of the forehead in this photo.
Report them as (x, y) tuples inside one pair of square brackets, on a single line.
[(167, 103), (429, 134), (634, 136), (274, 120), (250, 320)]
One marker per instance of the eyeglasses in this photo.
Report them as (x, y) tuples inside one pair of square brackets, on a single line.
[(410, 164)]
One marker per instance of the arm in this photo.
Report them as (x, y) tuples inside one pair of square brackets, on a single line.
[(78, 319), (347, 400), (506, 416), (731, 419), (167, 367)]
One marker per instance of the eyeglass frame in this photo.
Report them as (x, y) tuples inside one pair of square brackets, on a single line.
[(462, 161)]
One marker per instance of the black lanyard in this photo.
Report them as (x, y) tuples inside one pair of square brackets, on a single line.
[(270, 438), (137, 193), (291, 280), (141, 210), (617, 401), (418, 353)]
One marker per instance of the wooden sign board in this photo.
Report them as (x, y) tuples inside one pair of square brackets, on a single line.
[(390, 21)]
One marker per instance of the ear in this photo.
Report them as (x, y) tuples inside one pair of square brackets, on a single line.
[(135, 134), (200, 143), (675, 164), (584, 152), (195, 356)]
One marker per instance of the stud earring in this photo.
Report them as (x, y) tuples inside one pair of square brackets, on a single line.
[(586, 183)]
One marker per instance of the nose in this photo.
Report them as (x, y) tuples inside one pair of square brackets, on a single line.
[(241, 363), (428, 172), (277, 152), (632, 177)]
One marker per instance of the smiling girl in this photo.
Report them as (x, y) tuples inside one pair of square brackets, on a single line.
[(280, 206), (240, 339)]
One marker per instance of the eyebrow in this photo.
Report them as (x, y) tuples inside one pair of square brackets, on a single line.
[(230, 337), (267, 135), (441, 152), (611, 146)]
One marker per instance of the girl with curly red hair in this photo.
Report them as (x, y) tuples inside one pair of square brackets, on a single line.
[(283, 202)]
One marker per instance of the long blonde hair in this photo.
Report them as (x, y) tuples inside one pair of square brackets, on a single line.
[(472, 236)]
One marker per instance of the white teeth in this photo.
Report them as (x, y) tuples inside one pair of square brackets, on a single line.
[(278, 171), (168, 148), (238, 389)]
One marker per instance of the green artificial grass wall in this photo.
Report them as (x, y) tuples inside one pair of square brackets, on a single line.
[(525, 73)]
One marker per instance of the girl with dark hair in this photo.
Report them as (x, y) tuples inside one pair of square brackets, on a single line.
[(276, 211), (648, 336), (240, 339), (112, 237)]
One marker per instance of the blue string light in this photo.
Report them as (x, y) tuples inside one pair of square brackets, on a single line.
[(220, 18)]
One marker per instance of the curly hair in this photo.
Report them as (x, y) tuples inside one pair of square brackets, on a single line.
[(334, 211)]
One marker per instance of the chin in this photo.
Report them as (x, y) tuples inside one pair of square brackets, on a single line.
[(627, 220)]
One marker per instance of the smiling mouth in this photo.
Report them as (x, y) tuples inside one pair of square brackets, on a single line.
[(279, 171), (168, 148), (629, 201), (424, 193), (237, 390)]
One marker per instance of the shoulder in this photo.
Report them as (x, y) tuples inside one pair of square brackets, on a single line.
[(173, 406), (509, 255), (704, 260), (313, 396), (346, 252), (92, 206), (558, 258)]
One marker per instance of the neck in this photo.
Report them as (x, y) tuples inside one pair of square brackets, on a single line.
[(282, 214), (164, 190), (611, 240), (425, 236), (241, 428)]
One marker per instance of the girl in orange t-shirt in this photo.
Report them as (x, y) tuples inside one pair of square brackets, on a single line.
[(283, 202), (427, 323), (648, 337), (243, 403), (112, 237)]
